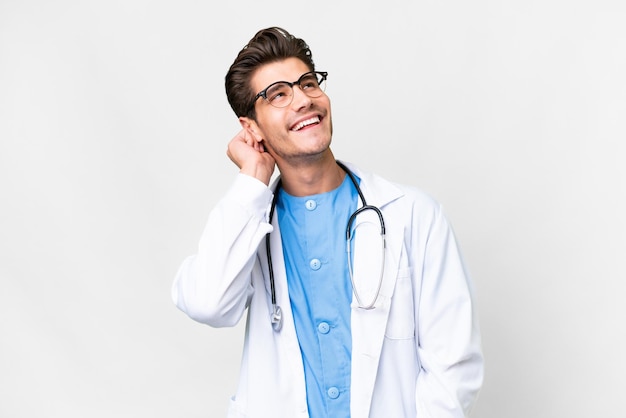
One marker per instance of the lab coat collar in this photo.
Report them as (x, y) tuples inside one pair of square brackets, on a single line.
[(369, 326), (377, 191)]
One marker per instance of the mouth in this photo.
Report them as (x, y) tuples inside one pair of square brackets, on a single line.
[(315, 120)]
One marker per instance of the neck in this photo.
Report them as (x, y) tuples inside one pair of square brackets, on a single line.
[(308, 179)]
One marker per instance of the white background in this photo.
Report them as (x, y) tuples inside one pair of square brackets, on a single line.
[(113, 130)]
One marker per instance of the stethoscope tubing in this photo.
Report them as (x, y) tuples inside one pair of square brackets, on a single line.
[(276, 315)]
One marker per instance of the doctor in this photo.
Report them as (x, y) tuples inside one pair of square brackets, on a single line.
[(350, 313)]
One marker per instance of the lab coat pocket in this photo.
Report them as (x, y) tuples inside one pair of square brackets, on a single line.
[(401, 322)]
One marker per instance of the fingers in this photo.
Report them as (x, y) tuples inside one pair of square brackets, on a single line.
[(251, 141), (247, 152), (248, 139), (245, 148), (259, 146)]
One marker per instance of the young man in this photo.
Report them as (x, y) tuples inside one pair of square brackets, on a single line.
[(351, 312)]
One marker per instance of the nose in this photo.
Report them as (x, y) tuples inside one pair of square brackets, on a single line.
[(300, 99)]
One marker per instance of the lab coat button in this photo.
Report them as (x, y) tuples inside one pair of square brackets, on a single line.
[(333, 392), (315, 264), (310, 204), (323, 327)]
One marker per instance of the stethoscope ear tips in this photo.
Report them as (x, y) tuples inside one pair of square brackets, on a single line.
[(277, 318)]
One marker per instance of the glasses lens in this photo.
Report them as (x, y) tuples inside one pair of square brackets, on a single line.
[(312, 84), (279, 94)]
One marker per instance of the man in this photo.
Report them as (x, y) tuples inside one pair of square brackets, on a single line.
[(364, 315)]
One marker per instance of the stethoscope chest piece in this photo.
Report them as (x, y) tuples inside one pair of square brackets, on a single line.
[(277, 318)]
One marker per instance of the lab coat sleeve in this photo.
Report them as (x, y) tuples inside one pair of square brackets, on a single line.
[(448, 343), (214, 286)]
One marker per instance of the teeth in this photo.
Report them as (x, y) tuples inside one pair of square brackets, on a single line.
[(306, 123)]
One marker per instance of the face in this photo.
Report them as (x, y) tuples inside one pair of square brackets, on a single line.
[(301, 131)]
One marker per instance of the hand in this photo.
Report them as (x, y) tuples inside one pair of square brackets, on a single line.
[(250, 156)]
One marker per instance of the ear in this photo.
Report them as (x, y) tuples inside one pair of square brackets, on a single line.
[(251, 127)]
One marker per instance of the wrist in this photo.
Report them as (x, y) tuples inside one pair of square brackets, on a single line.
[(259, 172)]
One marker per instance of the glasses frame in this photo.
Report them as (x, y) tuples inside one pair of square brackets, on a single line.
[(263, 93)]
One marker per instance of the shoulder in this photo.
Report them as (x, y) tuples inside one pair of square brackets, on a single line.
[(380, 191)]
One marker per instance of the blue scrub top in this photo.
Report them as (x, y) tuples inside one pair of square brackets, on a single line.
[(314, 247)]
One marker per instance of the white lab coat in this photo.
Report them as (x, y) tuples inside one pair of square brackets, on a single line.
[(416, 354)]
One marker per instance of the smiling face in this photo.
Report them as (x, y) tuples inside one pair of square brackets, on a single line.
[(299, 133)]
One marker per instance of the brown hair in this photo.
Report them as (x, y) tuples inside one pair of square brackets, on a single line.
[(267, 46)]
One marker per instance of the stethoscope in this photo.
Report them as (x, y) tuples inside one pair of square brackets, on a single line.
[(277, 313)]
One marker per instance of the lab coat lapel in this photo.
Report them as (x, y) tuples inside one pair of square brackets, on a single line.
[(368, 326), (290, 359), (282, 295)]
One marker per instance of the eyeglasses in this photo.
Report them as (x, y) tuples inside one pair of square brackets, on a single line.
[(280, 93)]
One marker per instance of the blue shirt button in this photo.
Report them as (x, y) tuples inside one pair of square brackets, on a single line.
[(310, 204), (323, 327), (333, 392), (315, 264)]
